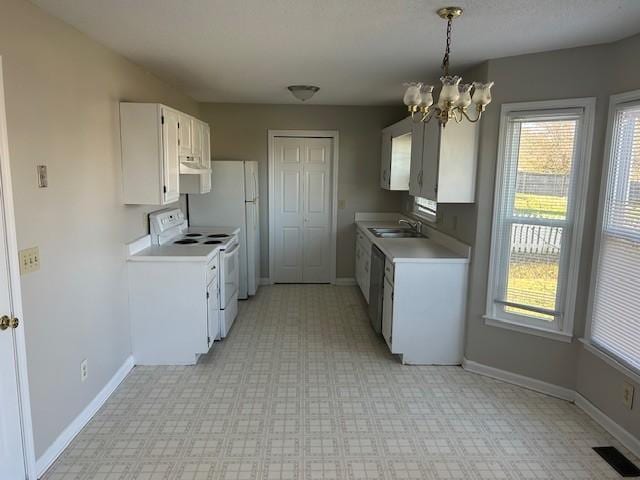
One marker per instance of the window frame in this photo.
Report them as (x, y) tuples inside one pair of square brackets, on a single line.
[(562, 328), (615, 102)]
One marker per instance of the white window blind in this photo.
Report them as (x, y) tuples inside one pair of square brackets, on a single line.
[(538, 186), (425, 208), (615, 325)]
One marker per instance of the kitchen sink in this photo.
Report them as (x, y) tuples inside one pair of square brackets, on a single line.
[(395, 233)]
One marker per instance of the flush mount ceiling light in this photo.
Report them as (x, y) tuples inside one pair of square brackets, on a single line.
[(303, 92), (454, 97)]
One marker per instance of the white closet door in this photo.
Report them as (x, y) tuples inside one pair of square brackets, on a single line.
[(316, 207), (302, 173), (289, 153)]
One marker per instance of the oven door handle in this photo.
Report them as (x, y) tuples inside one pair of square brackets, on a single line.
[(232, 251)]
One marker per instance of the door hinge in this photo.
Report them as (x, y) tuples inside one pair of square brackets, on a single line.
[(207, 294), (162, 119), (164, 189), (435, 189), (208, 340), (178, 124)]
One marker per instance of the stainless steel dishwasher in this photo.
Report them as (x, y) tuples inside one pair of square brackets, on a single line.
[(376, 286)]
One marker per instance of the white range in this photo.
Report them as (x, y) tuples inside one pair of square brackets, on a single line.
[(183, 289)]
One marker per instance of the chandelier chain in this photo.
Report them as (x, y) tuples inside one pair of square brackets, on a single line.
[(445, 60)]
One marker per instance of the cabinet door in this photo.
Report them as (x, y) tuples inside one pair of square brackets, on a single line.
[(387, 312), (213, 312), (186, 135), (196, 140), (171, 158), (415, 172), (385, 160), (360, 276), (205, 159), (430, 160)]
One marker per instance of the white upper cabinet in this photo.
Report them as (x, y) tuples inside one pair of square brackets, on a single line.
[(186, 135), (397, 140), (149, 136), (196, 171), (443, 164)]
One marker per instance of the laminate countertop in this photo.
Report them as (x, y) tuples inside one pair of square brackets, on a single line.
[(410, 250)]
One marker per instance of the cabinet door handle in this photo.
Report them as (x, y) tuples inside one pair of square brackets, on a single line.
[(420, 178)]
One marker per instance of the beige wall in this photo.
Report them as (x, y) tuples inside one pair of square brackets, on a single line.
[(595, 71), (597, 380), (240, 133), (62, 93)]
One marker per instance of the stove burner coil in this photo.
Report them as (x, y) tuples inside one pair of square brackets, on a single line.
[(186, 241)]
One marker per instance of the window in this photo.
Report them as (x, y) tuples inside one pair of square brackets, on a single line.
[(615, 317), (538, 211), (425, 208)]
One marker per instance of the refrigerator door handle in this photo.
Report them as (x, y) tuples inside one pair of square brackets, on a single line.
[(255, 185)]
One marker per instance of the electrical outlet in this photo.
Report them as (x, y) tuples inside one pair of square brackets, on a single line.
[(29, 260), (627, 395), (84, 370)]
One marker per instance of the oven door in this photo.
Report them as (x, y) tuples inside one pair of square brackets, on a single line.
[(230, 273)]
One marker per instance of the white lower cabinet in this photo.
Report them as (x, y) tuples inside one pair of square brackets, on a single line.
[(423, 302), (174, 310), (363, 263), (387, 313)]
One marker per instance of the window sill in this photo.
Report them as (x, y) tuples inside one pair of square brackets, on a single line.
[(609, 360), (537, 331)]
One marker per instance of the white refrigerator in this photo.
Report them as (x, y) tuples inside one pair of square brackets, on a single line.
[(233, 202)]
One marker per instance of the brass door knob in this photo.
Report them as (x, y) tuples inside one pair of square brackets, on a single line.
[(6, 322)]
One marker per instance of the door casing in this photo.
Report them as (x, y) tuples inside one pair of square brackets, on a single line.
[(335, 137)]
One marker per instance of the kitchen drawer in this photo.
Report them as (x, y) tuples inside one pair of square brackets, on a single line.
[(389, 270), (212, 269)]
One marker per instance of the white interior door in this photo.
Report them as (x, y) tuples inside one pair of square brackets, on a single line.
[(316, 209), (12, 457), (302, 210)]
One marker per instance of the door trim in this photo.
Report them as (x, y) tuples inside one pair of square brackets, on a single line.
[(14, 284), (334, 135)]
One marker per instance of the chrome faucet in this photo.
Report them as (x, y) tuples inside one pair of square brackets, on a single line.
[(415, 225)]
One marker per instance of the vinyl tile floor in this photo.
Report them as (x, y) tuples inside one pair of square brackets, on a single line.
[(303, 389)]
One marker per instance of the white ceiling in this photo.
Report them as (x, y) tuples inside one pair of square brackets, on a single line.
[(359, 52)]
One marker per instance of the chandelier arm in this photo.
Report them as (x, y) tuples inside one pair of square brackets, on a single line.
[(470, 119), (428, 115)]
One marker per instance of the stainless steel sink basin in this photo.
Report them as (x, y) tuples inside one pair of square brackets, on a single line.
[(395, 233)]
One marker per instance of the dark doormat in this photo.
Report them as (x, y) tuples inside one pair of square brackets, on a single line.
[(618, 461)]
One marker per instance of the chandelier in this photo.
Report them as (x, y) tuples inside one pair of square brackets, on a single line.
[(455, 97)]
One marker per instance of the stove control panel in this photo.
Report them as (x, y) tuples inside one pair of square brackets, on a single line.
[(162, 221)]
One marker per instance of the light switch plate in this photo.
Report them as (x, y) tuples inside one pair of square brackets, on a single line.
[(29, 260), (43, 180)]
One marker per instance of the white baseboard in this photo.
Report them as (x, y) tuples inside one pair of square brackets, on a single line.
[(520, 380), (622, 435), (345, 281), (617, 431), (69, 433), (265, 281)]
